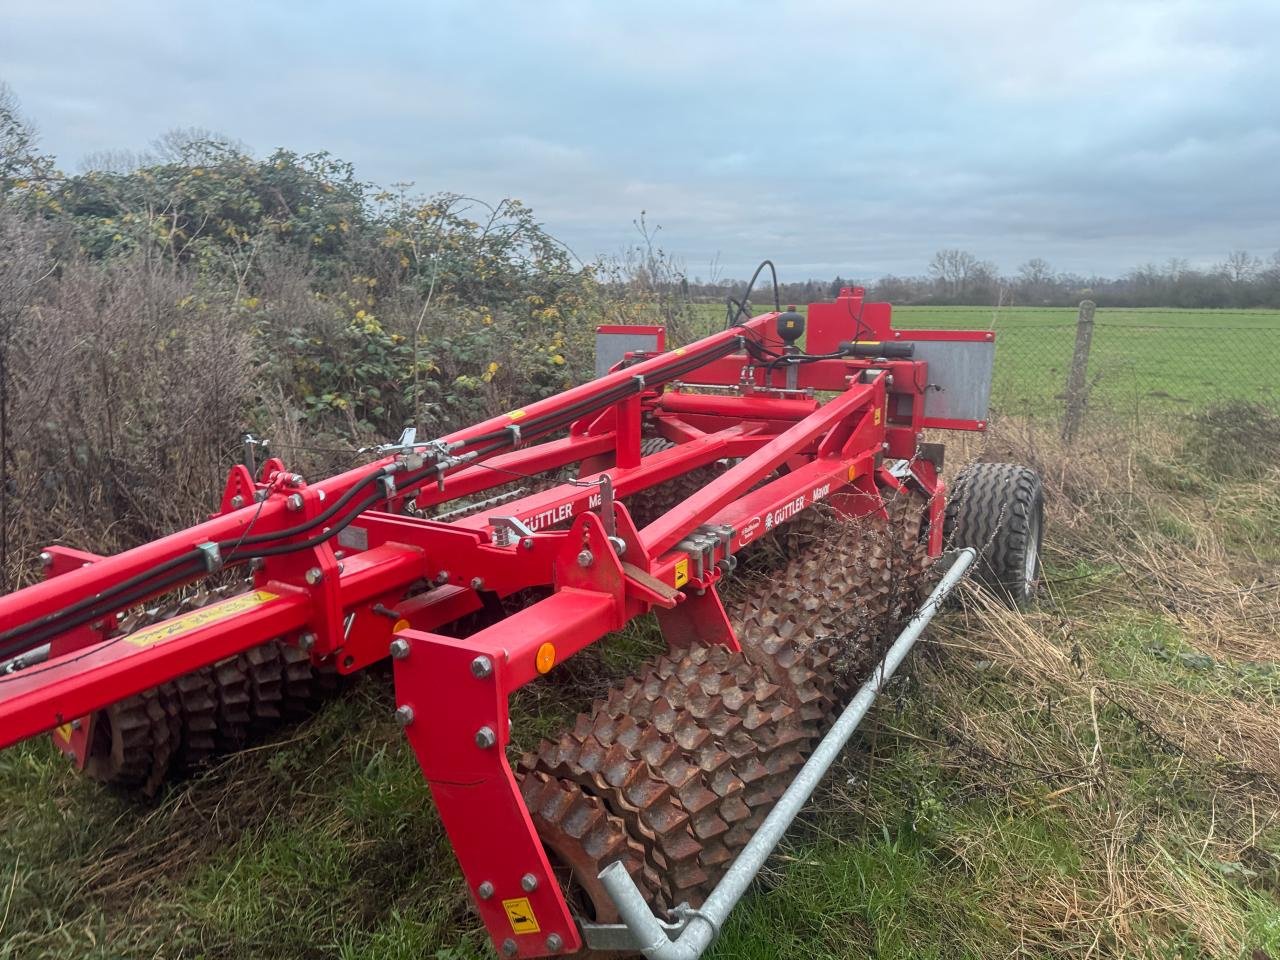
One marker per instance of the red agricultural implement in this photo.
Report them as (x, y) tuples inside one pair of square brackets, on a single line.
[(775, 506)]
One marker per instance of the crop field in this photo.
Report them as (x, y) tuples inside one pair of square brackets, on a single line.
[(1143, 362)]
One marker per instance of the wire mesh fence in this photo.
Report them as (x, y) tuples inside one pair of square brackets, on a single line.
[(1141, 365)]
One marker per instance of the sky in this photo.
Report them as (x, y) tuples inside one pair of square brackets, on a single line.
[(848, 138)]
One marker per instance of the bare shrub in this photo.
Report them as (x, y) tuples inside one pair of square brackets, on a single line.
[(129, 388)]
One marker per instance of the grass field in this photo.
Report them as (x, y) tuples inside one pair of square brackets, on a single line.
[(1098, 777), (1143, 362)]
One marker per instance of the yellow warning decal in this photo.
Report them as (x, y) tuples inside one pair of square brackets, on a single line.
[(876, 418), (515, 415), (64, 732), (520, 915), (200, 618), (682, 572), (679, 351)]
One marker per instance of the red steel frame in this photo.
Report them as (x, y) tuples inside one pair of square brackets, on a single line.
[(389, 575)]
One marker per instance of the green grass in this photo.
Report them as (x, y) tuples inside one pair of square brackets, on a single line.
[(1143, 363)]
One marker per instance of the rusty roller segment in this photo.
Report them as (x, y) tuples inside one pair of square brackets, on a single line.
[(691, 754), (647, 505), (140, 742)]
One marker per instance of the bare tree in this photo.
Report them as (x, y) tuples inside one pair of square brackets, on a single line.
[(957, 272), (1241, 266)]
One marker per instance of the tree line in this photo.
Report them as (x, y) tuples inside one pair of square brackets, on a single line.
[(957, 277)]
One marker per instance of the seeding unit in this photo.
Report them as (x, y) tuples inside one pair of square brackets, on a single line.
[(793, 483)]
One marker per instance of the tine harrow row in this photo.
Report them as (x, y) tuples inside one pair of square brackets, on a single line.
[(776, 507)]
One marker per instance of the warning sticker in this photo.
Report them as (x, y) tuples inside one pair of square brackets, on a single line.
[(200, 618), (65, 732), (520, 914), (682, 572), (515, 415), (876, 418)]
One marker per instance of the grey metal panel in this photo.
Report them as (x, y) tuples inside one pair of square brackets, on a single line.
[(612, 347), (959, 377)]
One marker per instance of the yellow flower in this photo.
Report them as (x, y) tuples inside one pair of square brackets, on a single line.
[(557, 360)]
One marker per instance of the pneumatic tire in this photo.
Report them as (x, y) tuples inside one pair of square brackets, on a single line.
[(998, 509)]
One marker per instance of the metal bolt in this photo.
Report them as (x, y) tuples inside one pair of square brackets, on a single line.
[(442, 576), (528, 883), (585, 558), (314, 576), (527, 543), (485, 890), (237, 502), (481, 667), (509, 947), (294, 501), (46, 558), (554, 943), (476, 583), (885, 446), (399, 649), (307, 642), (486, 738), (404, 715)]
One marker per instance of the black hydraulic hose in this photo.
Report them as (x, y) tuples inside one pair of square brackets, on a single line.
[(192, 557), (315, 521), (100, 606), (746, 296)]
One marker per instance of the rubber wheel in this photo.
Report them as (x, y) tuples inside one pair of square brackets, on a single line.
[(998, 509)]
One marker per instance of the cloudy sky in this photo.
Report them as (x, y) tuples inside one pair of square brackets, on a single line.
[(833, 137)]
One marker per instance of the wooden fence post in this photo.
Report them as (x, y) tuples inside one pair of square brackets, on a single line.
[(1077, 379)]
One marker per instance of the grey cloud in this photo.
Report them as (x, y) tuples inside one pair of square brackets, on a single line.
[(830, 136)]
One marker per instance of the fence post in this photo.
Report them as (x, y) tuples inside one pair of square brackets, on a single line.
[(1077, 379)]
